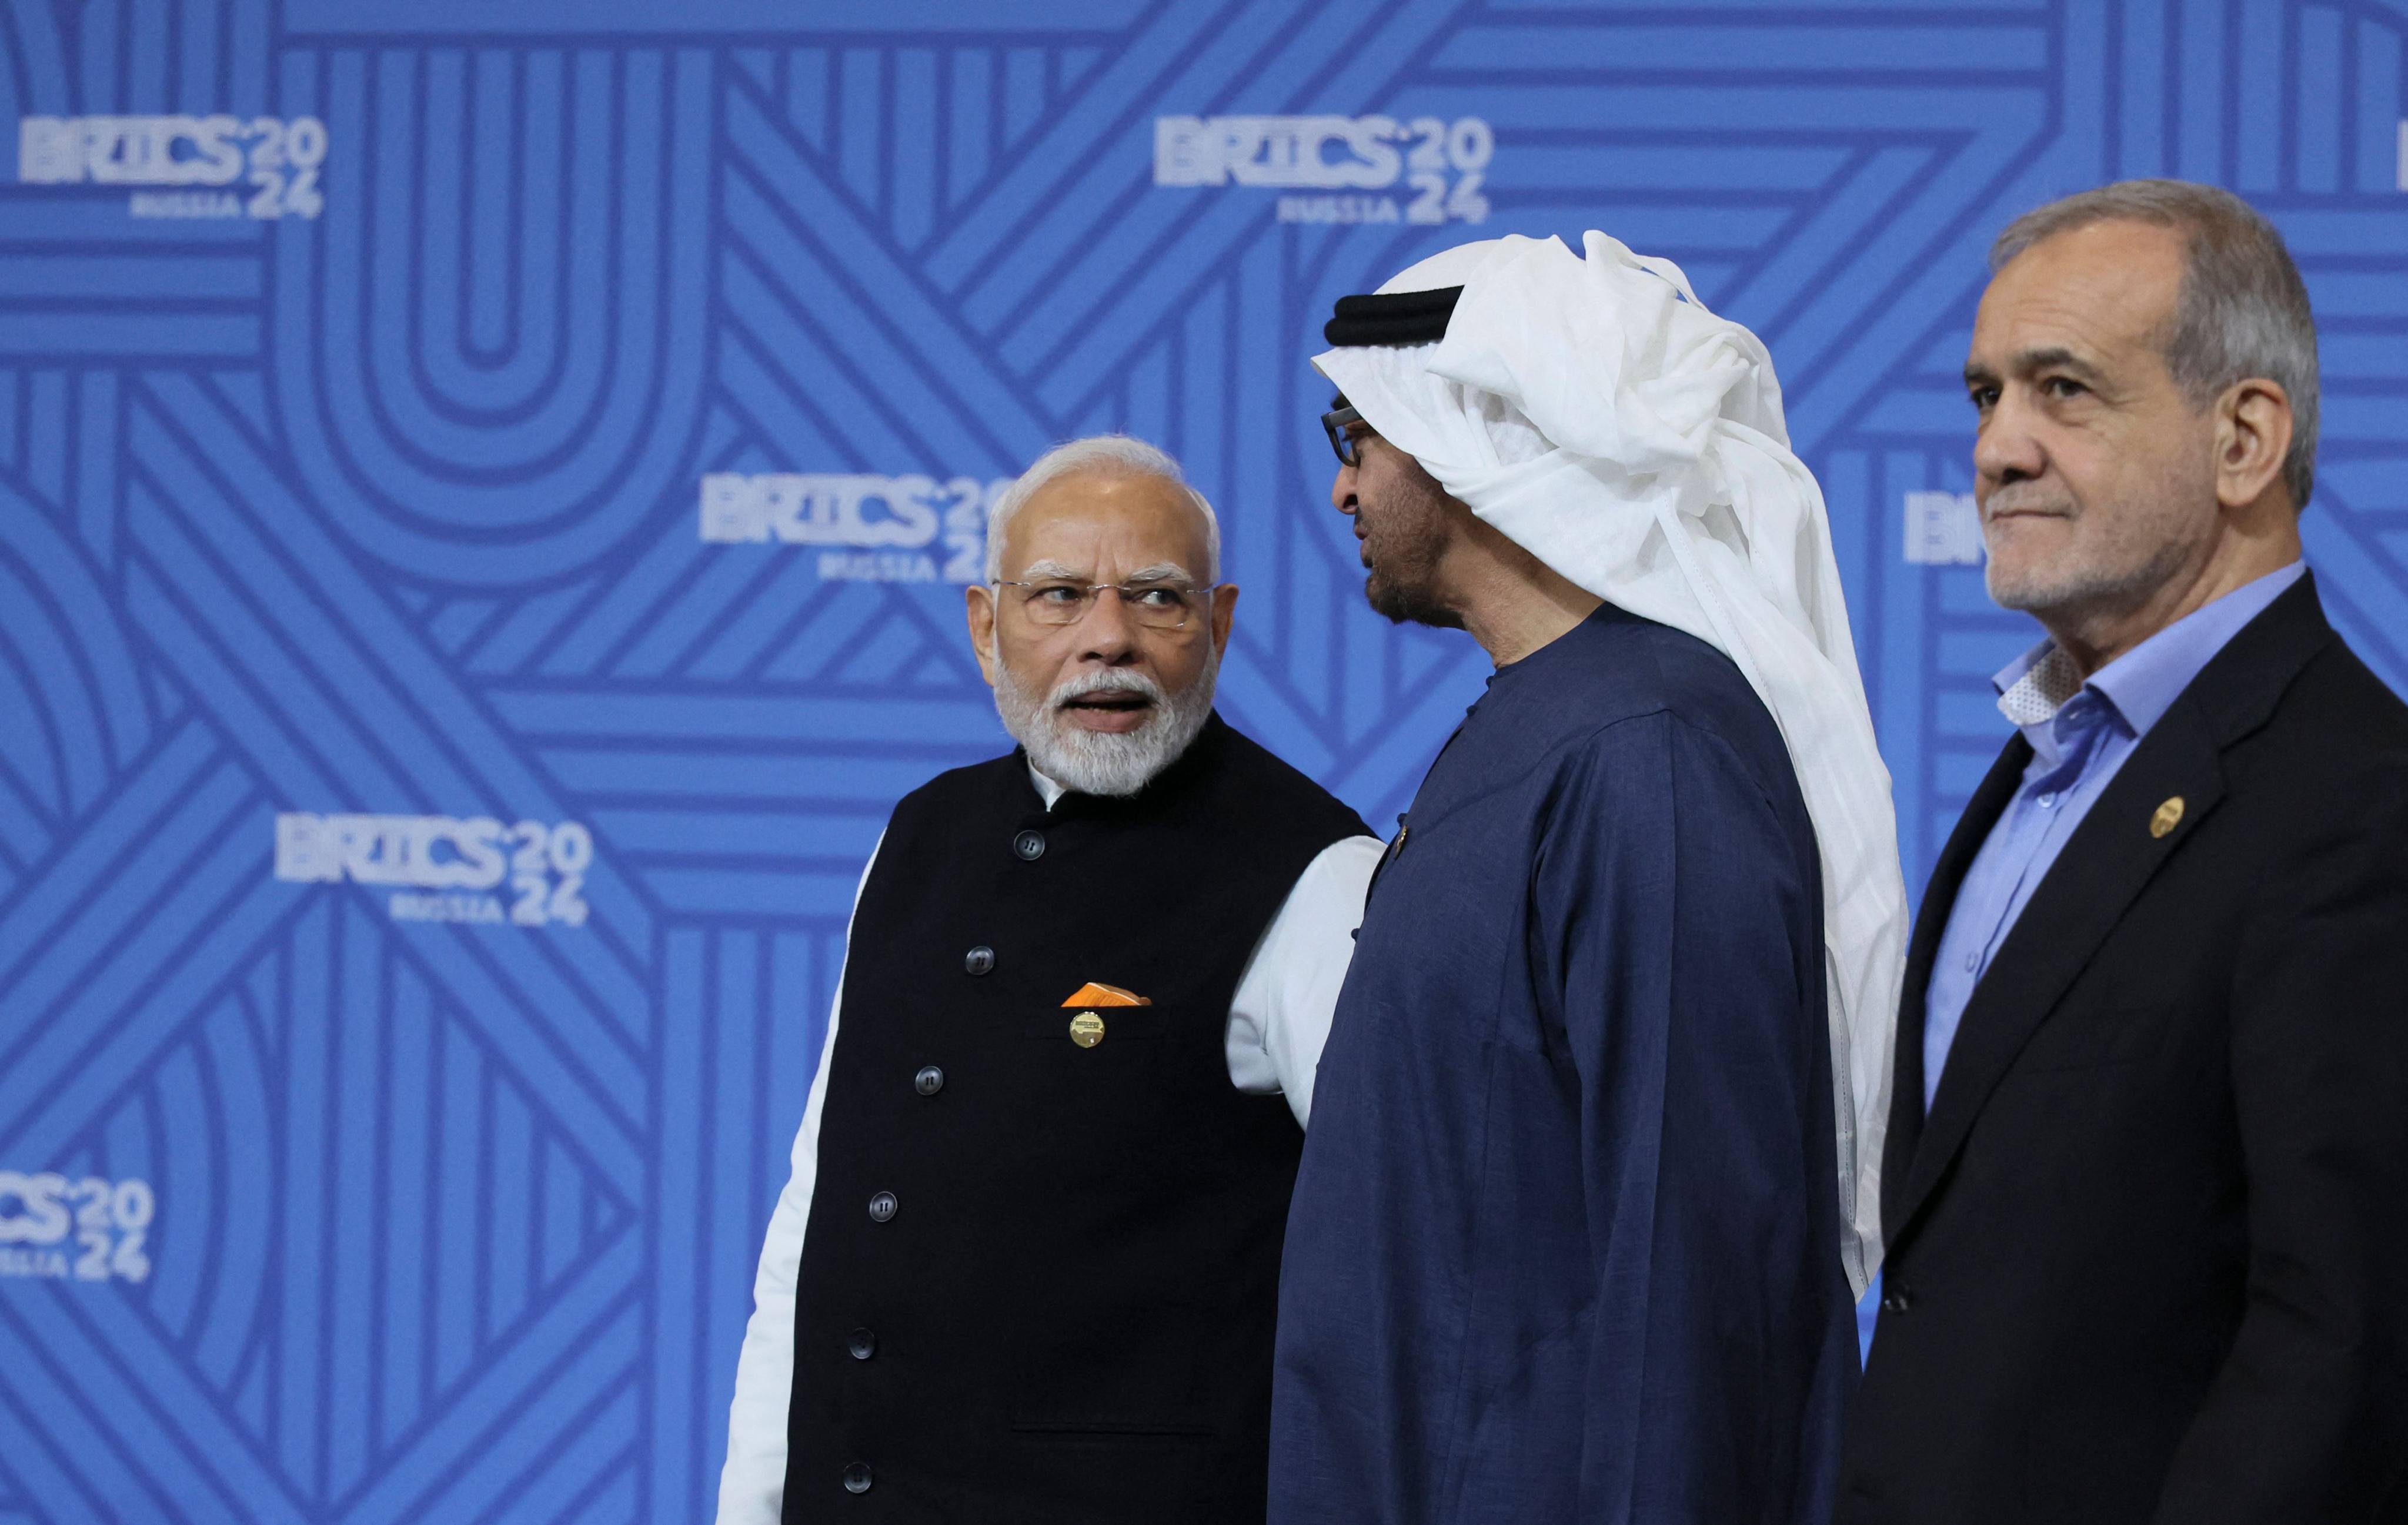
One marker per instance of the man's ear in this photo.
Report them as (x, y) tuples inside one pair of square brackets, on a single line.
[(1225, 605), (2253, 435), (979, 599)]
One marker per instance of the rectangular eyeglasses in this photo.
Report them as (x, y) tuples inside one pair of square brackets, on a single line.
[(1157, 606), (1335, 423)]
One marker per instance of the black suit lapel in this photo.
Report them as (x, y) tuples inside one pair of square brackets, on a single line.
[(2109, 859), (1982, 813), (2104, 868)]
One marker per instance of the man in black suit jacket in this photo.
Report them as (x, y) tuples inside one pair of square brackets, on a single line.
[(2148, 1151)]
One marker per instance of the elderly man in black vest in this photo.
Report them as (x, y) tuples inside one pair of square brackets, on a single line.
[(1028, 1263)]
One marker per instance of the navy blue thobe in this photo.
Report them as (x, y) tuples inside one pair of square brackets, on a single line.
[(1565, 1244)]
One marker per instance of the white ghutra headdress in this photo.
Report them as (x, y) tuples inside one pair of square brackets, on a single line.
[(1594, 411)]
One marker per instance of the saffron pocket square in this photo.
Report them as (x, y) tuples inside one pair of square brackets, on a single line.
[(1093, 994)]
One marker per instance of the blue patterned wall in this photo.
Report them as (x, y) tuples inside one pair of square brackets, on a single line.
[(482, 494)]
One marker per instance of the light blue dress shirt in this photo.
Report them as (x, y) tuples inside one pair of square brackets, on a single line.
[(2080, 734)]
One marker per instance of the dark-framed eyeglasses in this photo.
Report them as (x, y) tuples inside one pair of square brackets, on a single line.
[(1156, 606), (1337, 424)]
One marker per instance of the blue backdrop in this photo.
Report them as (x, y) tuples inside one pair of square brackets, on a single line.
[(484, 494)]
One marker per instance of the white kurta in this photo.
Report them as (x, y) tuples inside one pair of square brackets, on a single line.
[(1278, 1021)]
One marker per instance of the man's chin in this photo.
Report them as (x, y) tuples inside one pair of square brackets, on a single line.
[(1407, 605), (1108, 762), (2031, 582), (2024, 595)]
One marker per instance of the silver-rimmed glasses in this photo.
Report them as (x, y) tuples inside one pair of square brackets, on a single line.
[(1157, 606)]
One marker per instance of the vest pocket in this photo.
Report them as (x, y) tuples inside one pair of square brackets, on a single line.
[(1079, 1429), (1121, 1024), (1110, 1476), (1110, 1368)]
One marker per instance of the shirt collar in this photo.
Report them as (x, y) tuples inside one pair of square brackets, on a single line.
[(1047, 789), (2142, 683)]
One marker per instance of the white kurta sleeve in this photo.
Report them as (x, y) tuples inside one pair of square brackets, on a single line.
[(1279, 1017), (752, 1483)]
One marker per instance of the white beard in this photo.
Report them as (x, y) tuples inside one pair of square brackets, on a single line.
[(1105, 763)]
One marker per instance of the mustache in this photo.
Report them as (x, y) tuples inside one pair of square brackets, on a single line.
[(1110, 680), (2025, 497)]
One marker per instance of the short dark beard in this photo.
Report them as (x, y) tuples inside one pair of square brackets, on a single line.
[(1407, 535)]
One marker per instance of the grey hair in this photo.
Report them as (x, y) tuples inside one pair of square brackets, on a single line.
[(2242, 311), (1114, 454)]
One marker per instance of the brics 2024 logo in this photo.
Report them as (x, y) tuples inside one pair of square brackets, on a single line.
[(448, 867), (88, 1230), (1442, 164), (198, 158), (871, 529), (1942, 529)]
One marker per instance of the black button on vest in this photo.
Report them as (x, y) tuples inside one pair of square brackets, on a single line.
[(978, 960), (1074, 1319)]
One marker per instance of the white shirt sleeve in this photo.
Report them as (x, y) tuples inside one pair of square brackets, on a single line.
[(752, 1483), (1279, 1017)]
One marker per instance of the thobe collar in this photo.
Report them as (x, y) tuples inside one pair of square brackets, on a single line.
[(1540, 659)]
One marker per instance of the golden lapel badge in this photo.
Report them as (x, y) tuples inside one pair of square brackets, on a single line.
[(2169, 816), (1087, 1028)]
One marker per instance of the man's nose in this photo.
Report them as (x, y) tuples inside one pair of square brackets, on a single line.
[(1107, 633), (1342, 490), (2006, 449)]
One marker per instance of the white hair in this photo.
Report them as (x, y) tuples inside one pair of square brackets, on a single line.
[(1109, 455)]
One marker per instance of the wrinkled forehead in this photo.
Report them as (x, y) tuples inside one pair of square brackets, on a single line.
[(1108, 524), (2101, 288)]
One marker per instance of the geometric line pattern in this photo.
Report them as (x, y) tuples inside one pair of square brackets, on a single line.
[(431, 1192)]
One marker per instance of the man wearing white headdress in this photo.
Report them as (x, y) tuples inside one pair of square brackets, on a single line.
[(1592, 1181)]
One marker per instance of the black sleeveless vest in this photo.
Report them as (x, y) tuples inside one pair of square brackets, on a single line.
[(1040, 1278)]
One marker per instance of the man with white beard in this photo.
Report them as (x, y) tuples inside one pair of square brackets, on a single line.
[(1028, 1263)]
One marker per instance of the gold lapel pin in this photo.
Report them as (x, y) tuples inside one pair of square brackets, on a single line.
[(1087, 1028), (2169, 816)]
